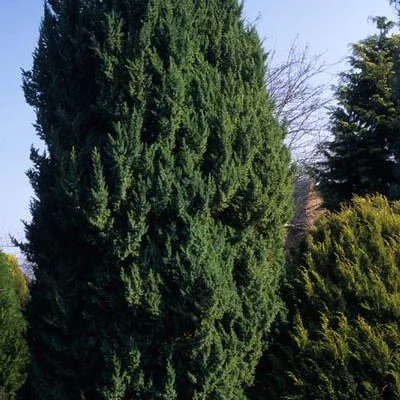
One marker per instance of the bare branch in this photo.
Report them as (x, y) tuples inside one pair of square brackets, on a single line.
[(300, 96)]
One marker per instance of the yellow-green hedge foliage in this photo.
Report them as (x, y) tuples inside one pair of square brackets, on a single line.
[(13, 347), (341, 339)]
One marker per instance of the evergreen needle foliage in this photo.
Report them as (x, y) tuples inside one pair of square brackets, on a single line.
[(13, 347), (158, 224), (363, 157), (342, 337)]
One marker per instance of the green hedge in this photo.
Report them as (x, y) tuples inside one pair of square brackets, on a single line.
[(341, 339), (13, 348)]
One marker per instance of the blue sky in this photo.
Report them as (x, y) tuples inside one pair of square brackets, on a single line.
[(328, 26)]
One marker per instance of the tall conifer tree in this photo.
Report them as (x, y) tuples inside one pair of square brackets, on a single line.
[(161, 199), (363, 157)]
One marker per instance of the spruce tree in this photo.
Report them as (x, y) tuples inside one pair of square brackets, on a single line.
[(363, 157), (13, 346), (158, 224)]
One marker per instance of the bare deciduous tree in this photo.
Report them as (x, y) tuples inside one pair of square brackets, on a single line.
[(300, 94), (299, 86)]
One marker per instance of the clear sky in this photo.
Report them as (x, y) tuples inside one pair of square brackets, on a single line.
[(328, 26)]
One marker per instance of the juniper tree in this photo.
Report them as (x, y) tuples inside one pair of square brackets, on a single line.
[(158, 224), (363, 157)]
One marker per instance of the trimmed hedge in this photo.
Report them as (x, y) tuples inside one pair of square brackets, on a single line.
[(341, 339)]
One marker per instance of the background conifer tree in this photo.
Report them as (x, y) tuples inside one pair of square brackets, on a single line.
[(13, 347), (363, 157), (158, 224)]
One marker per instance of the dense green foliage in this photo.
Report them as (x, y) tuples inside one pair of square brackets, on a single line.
[(19, 279), (363, 157), (341, 340), (158, 229), (13, 347)]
